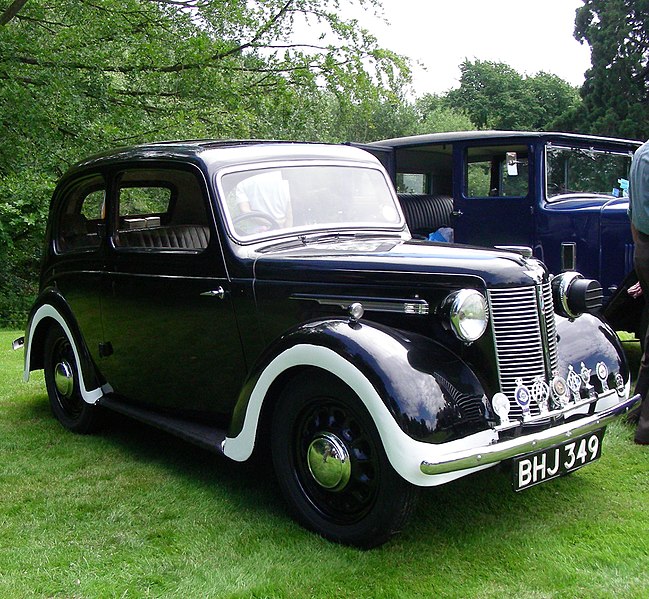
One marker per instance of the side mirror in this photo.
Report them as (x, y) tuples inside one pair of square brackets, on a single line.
[(512, 164)]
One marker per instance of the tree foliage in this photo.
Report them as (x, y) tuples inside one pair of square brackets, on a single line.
[(616, 91), (78, 76), (436, 116), (496, 96)]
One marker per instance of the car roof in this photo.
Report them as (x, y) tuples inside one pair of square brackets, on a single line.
[(455, 136), (222, 153)]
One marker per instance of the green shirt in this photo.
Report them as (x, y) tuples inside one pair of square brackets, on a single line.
[(639, 189)]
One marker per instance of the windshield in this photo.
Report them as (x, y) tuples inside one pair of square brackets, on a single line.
[(586, 170), (262, 202)]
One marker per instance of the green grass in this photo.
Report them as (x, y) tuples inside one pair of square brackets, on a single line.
[(133, 512)]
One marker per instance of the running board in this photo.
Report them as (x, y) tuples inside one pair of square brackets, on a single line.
[(204, 435)]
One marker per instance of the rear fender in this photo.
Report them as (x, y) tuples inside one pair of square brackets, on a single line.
[(48, 309)]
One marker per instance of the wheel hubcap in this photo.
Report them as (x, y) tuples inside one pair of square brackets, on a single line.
[(64, 378), (328, 461)]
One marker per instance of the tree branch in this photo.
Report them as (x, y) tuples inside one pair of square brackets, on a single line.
[(12, 10)]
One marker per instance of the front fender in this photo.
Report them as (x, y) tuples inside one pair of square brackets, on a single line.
[(407, 382), (588, 340)]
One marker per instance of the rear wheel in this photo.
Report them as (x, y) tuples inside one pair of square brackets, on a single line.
[(63, 385), (332, 467)]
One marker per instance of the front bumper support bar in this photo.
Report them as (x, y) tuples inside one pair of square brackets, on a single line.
[(491, 454)]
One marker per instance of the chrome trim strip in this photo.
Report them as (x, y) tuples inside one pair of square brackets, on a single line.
[(414, 306), (482, 456)]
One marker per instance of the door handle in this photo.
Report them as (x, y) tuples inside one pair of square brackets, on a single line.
[(219, 292), (456, 213)]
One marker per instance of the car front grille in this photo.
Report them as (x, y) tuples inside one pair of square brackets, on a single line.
[(526, 338)]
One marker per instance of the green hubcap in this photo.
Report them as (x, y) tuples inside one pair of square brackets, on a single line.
[(64, 378), (328, 462)]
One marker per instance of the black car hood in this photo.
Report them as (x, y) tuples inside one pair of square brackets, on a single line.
[(361, 259)]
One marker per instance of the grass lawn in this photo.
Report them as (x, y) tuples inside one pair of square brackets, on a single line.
[(133, 512)]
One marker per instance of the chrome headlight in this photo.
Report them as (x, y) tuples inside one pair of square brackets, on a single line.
[(573, 295), (467, 314)]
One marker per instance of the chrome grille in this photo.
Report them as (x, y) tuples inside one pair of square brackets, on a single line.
[(550, 328), (525, 338)]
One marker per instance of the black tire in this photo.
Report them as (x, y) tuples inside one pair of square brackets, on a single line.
[(63, 385), (362, 504)]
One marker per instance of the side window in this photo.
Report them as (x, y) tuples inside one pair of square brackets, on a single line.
[(413, 183), (497, 172), (161, 210), (82, 212), (479, 179)]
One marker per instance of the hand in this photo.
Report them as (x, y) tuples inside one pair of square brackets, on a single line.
[(635, 291)]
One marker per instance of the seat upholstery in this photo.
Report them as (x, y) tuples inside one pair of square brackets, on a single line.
[(426, 213), (183, 237)]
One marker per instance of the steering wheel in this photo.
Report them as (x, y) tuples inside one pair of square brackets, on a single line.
[(255, 215)]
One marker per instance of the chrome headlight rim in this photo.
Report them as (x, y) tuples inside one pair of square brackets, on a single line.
[(575, 295), (566, 279), (455, 307)]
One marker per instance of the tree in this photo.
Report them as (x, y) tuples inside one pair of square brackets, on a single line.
[(436, 116), (496, 96), (616, 90), (77, 76)]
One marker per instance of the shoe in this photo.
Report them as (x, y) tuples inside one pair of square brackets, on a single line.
[(642, 432), (633, 416)]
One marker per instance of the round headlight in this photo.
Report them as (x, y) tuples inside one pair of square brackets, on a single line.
[(467, 313)]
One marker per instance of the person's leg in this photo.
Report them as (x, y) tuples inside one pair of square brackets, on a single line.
[(641, 263)]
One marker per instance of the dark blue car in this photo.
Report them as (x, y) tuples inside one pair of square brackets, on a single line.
[(560, 194)]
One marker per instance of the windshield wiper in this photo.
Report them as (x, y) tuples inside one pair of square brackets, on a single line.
[(329, 236)]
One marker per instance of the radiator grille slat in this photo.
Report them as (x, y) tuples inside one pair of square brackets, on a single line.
[(525, 335)]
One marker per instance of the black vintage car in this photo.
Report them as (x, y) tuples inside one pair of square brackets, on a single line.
[(249, 295)]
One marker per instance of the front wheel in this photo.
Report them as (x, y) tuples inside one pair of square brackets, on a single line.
[(331, 465), (63, 385)]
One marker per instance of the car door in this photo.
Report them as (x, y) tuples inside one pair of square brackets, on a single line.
[(170, 335), (78, 226), (493, 195)]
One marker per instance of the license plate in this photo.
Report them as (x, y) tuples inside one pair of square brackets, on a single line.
[(534, 468)]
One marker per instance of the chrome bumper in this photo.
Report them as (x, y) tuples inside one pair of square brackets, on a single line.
[(490, 454)]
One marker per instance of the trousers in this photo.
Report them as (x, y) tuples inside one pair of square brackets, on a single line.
[(641, 264)]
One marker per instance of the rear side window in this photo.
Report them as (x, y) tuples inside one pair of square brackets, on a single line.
[(83, 210), (144, 200), (161, 210)]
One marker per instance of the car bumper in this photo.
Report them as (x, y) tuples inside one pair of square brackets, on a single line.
[(477, 457)]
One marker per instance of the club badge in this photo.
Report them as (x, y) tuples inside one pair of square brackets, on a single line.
[(574, 383), (541, 394), (560, 392), (522, 396), (619, 384), (601, 370), (585, 374)]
